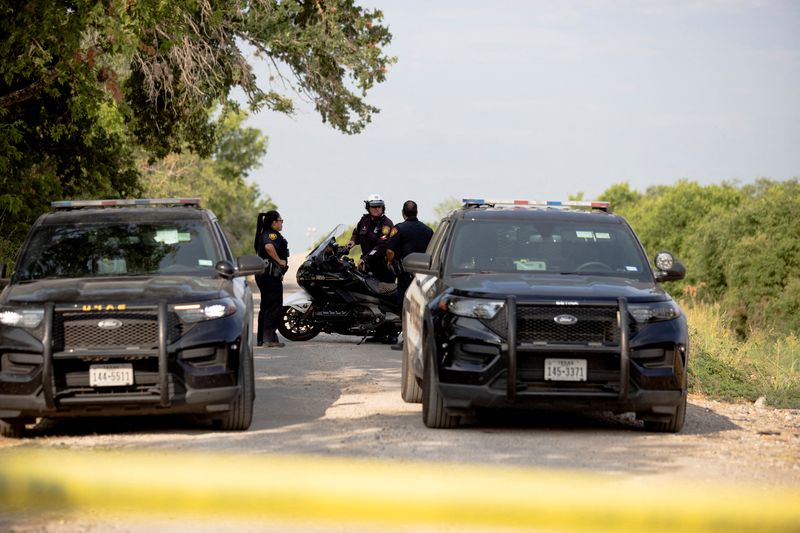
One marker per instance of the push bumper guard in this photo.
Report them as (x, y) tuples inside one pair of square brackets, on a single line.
[(464, 396), (49, 385), (50, 400), (624, 355)]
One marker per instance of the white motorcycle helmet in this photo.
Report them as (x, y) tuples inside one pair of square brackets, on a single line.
[(374, 200)]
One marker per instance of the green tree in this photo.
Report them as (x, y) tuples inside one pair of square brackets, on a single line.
[(741, 245), (87, 85), (621, 196), (666, 216), (748, 258), (577, 197), (442, 209), (220, 181)]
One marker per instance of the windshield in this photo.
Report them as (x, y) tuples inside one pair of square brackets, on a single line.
[(552, 247), (324, 242), (118, 249)]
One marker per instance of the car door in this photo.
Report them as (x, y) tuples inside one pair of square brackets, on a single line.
[(419, 294)]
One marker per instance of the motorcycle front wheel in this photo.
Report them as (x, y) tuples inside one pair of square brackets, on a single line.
[(294, 328)]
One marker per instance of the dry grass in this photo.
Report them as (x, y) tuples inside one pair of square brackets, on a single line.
[(724, 367)]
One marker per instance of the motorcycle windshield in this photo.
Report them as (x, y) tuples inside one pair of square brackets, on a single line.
[(327, 240)]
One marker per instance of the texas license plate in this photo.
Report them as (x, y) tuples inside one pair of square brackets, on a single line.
[(565, 369), (110, 375)]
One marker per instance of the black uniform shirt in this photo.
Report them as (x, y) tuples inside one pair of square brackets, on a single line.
[(408, 237), (372, 234), (275, 239)]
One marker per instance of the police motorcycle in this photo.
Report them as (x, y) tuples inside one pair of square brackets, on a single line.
[(337, 297)]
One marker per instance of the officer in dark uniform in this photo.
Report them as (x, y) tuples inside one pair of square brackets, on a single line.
[(273, 248), (372, 233), (407, 237)]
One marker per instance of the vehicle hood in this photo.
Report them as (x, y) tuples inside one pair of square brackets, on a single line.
[(140, 289), (558, 287)]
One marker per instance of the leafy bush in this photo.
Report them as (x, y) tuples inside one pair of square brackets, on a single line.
[(740, 245), (748, 259)]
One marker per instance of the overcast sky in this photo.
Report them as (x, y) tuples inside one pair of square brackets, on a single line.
[(540, 100)]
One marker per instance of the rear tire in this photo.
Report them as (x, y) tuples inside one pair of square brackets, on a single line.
[(409, 388), (12, 428), (294, 328), (434, 414), (240, 416)]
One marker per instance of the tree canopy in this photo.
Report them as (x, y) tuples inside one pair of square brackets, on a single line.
[(740, 244), (89, 86), (219, 181)]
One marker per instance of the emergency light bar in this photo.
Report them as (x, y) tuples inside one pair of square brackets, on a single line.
[(138, 202), (477, 202)]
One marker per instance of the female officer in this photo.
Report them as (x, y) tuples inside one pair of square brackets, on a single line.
[(273, 248)]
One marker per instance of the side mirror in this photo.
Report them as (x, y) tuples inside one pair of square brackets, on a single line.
[(668, 268), (418, 263), (225, 268), (250, 265)]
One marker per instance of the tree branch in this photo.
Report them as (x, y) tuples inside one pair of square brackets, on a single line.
[(28, 92)]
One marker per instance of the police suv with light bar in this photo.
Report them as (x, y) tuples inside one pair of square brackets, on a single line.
[(127, 307), (542, 305)]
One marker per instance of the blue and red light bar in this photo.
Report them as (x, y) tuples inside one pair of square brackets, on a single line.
[(137, 202), (475, 202)]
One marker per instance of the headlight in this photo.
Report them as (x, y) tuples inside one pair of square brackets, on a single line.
[(654, 312), (210, 310), (21, 317), (473, 307)]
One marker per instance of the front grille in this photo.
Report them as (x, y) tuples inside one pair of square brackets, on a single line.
[(535, 324), (81, 331)]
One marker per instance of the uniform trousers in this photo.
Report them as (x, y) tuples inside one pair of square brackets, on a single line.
[(403, 283), (270, 310)]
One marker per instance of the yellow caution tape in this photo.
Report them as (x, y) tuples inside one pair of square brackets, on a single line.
[(399, 493)]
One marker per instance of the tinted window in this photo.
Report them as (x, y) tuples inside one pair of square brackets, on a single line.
[(545, 247), (118, 249)]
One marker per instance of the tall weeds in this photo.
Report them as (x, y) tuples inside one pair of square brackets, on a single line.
[(722, 366)]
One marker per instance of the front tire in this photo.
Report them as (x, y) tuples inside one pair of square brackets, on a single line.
[(240, 416), (294, 328), (673, 425), (12, 428), (409, 388), (675, 422), (434, 414)]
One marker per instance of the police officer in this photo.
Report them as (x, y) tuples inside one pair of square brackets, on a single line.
[(372, 233), (273, 248), (407, 237)]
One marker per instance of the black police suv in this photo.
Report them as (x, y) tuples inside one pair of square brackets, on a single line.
[(543, 305), (127, 307)]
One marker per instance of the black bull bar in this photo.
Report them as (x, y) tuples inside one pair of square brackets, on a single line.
[(511, 351)]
